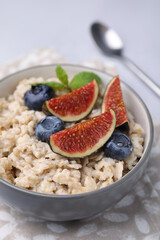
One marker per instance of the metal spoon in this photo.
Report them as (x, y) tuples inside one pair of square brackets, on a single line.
[(111, 44)]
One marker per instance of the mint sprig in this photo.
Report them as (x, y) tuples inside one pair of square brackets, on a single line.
[(83, 78), (54, 85), (77, 81), (62, 75)]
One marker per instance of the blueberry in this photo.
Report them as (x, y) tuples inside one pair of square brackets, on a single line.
[(118, 147), (37, 95), (47, 126)]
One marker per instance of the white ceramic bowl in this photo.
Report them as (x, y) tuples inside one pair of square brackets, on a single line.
[(76, 206)]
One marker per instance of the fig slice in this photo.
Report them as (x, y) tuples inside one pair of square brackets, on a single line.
[(75, 105), (84, 138), (113, 98)]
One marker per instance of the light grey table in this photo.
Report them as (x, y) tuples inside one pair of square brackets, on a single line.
[(64, 25)]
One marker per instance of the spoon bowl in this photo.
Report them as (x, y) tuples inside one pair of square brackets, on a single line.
[(107, 39)]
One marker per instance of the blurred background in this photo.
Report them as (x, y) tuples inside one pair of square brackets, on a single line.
[(65, 26)]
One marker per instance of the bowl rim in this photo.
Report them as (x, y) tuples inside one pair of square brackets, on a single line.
[(107, 188)]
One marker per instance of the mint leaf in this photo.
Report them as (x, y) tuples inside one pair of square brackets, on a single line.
[(62, 75), (54, 85), (82, 79)]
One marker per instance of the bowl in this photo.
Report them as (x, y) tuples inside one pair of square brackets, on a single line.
[(76, 206)]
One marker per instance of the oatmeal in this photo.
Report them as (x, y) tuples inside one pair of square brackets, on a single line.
[(30, 164)]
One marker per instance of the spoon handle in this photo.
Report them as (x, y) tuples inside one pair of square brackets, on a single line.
[(147, 80)]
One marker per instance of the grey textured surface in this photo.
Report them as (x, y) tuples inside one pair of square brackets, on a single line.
[(135, 217), (64, 25)]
